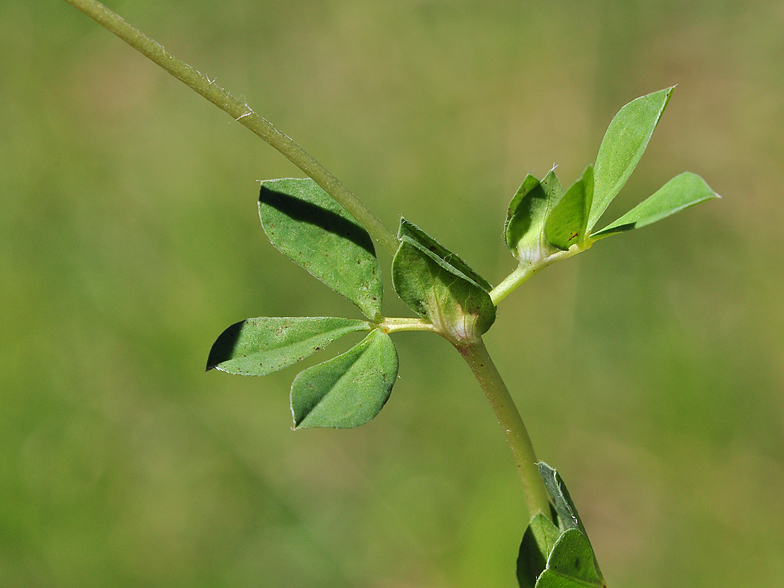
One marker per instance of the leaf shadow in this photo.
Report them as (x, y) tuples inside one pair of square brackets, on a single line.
[(607, 232), (310, 213), (223, 348)]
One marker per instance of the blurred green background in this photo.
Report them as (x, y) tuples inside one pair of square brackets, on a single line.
[(650, 371)]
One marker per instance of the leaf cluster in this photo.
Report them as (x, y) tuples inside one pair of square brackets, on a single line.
[(543, 220), (544, 223), (311, 229), (557, 556)]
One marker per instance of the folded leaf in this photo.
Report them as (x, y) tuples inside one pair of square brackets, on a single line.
[(566, 225), (451, 260), (260, 346), (314, 231), (570, 560), (526, 216), (684, 190), (568, 518), (562, 501), (571, 564), (348, 390), (622, 147), (439, 286)]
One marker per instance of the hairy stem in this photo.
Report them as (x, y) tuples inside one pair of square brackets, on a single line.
[(481, 364), (243, 114)]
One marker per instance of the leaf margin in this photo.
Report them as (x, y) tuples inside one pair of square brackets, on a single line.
[(241, 341)]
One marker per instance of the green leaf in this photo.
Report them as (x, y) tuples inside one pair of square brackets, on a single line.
[(571, 564), (562, 501), (348, 390), (409, 229), (539, 539), (526, 216), (314, 231), (439, 286), (567, 223), (570, 523), (684, 190), (260, 346), (623, 145), (570, 560)]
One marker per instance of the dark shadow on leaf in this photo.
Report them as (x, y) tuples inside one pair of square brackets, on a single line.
[(531, 562), (223, 348), (523, 215), (532, 557), (619, 229), (307, 212)]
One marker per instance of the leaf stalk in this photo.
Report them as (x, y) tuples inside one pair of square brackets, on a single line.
[(395, 325)]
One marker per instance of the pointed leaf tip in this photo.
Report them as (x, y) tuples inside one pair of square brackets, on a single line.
[(681, 192), (561, 499), (622, 147)]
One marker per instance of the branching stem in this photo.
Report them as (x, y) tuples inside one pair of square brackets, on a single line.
[(525, 272), (475, 354), (243, 114)]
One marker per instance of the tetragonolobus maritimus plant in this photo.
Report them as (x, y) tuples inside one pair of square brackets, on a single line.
[(320, 225)]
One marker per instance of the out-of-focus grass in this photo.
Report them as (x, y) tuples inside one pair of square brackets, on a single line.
[(648, 370)]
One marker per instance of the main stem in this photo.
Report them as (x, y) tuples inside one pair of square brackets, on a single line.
[(475, 354), (481, 364), (243, 114)]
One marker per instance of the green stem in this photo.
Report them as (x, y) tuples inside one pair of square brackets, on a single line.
[(243, 114), (524, 272), (481, 364), (395, 325)]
